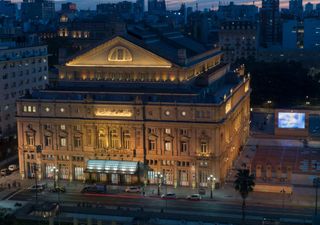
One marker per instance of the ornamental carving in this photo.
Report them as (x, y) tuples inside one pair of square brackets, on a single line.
[(113, 112)]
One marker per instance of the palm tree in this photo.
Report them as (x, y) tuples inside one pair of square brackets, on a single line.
[(244, 184)]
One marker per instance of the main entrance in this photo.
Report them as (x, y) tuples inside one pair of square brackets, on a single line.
[(113, 172)]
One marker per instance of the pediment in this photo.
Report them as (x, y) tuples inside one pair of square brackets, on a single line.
[(118, 52)]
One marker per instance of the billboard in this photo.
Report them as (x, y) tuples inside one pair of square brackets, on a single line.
[(291, 120)]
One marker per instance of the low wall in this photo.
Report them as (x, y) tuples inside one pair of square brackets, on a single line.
[(272, 188)]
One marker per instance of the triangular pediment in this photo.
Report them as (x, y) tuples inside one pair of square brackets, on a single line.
[(119, 52)]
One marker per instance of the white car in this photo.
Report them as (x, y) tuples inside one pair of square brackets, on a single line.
[(169, 196), (38, 187), (194, 197), (133, 189), (12, 167)]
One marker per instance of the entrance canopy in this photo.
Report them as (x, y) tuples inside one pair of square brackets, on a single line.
[(112, 166)]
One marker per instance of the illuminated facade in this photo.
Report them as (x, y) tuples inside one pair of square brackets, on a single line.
[(166, 104)]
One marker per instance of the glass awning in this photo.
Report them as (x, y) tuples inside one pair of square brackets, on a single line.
[(112, 166)]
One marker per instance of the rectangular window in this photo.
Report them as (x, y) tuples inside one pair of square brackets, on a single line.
[(204, 147), (77, 142), (62, 126), (47, 141), (168, 131), (167, 145), (30, 140), (183, 146), (152, 145), (63, 142), (25, 108), (78, 127), (34, 109)]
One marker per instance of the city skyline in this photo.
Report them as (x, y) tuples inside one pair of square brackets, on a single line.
[(175, 4)]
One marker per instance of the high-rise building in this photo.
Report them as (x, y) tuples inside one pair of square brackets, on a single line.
[(37, 9), (157, 6), (270, 32), (237, 12), (308, 10), (7, 8), (131, 107), (68, 7), (238, 40), (296, 8), (23, 69)]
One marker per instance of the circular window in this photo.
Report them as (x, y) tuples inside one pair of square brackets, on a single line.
[(62, 110), (183, 113), (47, 109), (167, 113)]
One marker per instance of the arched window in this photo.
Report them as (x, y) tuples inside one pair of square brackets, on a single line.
[(119, 54)]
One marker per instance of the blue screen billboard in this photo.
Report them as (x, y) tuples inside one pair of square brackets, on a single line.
[(291, 120)]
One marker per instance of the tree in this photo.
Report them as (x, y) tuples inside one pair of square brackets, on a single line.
[(244, 184)]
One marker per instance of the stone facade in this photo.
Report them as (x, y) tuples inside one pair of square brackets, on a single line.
[(181, 138)]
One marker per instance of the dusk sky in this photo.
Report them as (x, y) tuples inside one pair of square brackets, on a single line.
[(173, 4)]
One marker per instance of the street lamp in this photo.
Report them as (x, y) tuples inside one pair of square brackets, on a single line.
[(159, 179), (316, 183), (54, 170), (212, 180)]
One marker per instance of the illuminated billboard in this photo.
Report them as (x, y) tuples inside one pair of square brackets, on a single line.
[(291, 120)]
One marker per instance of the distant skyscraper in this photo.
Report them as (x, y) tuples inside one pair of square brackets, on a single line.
[(140, 6), (270, 23), (37, 9), (7, 8), (296, 8), (68, 7), (156, 6), (309, 8)]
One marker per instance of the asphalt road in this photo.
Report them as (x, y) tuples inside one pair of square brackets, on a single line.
[(222, 211)]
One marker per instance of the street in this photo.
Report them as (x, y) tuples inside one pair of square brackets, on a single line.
[(227, 211)]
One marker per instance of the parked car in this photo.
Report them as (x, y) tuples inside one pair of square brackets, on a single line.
[(38, 187), (202, 191), (194, 197), (4, 172), (94, 189), (60, 189), (169, 196), (133, 189), (12, 167)]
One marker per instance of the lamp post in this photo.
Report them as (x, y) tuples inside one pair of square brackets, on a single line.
[(159, 179), (283, 192), (54, 170), (212, 180), (316, 182)]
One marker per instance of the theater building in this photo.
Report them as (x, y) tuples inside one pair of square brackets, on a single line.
[(133, 106)]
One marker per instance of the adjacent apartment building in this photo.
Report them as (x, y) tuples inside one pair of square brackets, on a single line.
[(23, 69), (133, 107)]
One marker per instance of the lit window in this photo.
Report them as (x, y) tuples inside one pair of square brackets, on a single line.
[(167, 131), (62, 126), (203, 147), (61, 109), (47, 109), (33, 109), (29, 108), (167, 113), (63, 142), (25, 108), (167, 145), (183, 113)]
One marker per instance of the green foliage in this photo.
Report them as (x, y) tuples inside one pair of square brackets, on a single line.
[(286, 84), (244, 182)]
